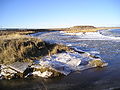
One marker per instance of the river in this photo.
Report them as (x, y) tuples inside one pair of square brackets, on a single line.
[(106, 43)]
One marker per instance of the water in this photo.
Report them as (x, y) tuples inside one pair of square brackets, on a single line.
[(106, 78), (111, 32)]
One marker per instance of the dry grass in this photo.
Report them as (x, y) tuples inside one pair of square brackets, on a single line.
[(15, 47), (96, 63), (22, 49), (83, 30), (77, 30), (10, 32)]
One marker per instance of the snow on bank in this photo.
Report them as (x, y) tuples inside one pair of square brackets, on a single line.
[(67, 62)]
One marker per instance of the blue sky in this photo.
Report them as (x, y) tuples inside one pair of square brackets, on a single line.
[(58, 13)]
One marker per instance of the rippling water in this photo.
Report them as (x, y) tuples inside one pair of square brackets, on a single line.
[(111, 32), (107, 78)]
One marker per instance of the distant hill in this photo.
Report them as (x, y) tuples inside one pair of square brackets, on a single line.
[(74, 29), (83, 27)]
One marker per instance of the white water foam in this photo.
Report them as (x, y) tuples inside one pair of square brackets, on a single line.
[(92, 36)]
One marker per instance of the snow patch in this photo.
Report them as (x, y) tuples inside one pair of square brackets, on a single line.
[(65, 63), (45, 74)]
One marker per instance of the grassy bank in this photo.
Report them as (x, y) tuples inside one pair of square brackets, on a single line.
[(78, 29), (15, 47), (74, 29)]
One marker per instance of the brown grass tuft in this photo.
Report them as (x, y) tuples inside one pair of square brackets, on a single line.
[(25, 49)]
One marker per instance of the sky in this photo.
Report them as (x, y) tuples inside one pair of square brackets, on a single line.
[(58, 13)]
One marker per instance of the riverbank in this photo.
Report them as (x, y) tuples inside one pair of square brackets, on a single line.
[(74, 29), (18, 52), (84, 29), (17, 49)]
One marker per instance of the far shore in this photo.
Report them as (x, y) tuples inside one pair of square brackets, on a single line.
[(75, 29), (72, 30)]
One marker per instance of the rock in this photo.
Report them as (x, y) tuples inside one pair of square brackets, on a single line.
[(19, 66), (97, 63), (6, 72), (15, 70)]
